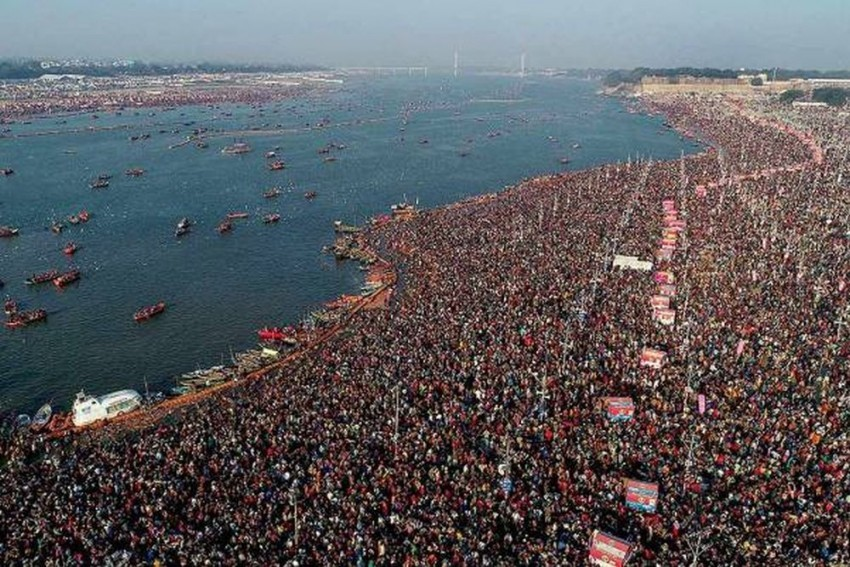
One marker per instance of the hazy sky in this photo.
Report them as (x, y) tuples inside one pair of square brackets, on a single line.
[(553, 33)]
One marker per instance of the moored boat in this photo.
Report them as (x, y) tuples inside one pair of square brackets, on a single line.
[(71, 248), (224, 226), (66, 278), (309, 195), (146, 313), (8, 231), (272, 193), (88, 409), (24, 318), (134, 172), (342, 228), (42, 417), (277, 165), (57, 227), (237, 215), (43, 277), (7, 170), (271, 218), (99, 183), (10, 306), (278, 335)]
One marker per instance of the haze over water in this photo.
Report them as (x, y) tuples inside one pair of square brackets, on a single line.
[(221, 288)]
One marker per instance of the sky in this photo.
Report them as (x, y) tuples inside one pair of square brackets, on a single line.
[(808, 34)]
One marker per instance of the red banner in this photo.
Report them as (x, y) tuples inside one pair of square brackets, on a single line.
[(607, 550), (641, 496)]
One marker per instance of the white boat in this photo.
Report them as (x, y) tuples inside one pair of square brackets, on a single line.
[(88, 409)]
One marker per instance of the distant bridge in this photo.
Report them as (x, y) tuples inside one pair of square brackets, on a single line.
[(386, 70)]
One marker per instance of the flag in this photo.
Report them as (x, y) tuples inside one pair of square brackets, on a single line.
[(701, 402)]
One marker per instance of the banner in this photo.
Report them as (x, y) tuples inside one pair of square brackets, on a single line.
[(701, 192), (641, 496), (668, 204), (660, 302), (664, 253), (652, 357), (664, 316), (631, 262), (619, 409), (607, 550), (664, 277), (701, 402), (668, 290)]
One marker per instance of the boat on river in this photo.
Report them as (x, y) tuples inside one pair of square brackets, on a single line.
[(277, 165), (67, 278), (24, 318), (272, 193), (271, 218), (146, 313), (43, 277), (99, 183), (237, 215), (71, 248), (224, 226), (134, 172), (310, 195), (236, 149), (89, 409), (8, 232)]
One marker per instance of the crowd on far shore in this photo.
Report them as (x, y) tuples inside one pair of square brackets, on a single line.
[(33, 98), (465, 423)]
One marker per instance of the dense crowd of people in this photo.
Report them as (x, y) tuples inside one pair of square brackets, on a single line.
[(462, 425), (19, 99)]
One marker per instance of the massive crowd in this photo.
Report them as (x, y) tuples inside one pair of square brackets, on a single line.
[(462, 424)]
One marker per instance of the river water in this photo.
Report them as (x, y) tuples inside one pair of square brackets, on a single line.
[(221, 288)]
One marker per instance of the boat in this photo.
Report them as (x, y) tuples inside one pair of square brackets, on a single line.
[(270, 155), (270, 218), (57, 227), (83, 216), (24, 318), (7, 171), (134, 171), (237, 215), (104, 177), (23, 420), (43, 277), (224, 226), (10, 306), (576, 146), (146, 313), (310, 195), (329, 159), (88, 409), (277, 165), (74, 219), (202, 145), (272, 193), (70, 248), (183, 227), (564, 161), (99, 183), (403, 210), (236, 149), (42, 417), (341, 228), (7, 232), (67, 278), (276, 334)]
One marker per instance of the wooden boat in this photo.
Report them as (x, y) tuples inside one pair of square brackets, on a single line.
[(67, 278), (70, 249), (146, 313), (271, 218), (8, 232), (237, 215), (272, 193)]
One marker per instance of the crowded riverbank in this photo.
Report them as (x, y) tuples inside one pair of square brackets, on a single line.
[(465, 423)]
